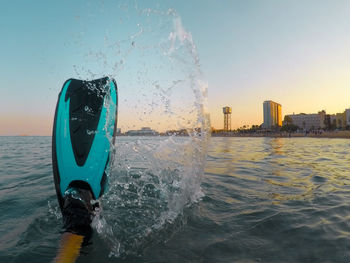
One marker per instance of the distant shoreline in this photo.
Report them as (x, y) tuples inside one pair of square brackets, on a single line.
[(330, 135)]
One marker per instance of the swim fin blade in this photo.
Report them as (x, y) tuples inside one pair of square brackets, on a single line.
[(83, 133)]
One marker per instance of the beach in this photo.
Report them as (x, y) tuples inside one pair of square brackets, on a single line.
[(326, 134)]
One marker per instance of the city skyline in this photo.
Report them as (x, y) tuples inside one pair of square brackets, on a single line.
[(287, 114), (253, 52)]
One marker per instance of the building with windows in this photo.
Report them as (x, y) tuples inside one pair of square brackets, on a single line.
[(347, 117), (340, 120), (309, 122), (272, 114), (145, 131)]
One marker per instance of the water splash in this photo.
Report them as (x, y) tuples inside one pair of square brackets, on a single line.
[(152, 179)]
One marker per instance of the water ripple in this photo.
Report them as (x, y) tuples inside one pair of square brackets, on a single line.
[(287, 200), (265, 200)]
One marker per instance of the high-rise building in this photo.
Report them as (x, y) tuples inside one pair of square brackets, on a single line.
[(272, 114)]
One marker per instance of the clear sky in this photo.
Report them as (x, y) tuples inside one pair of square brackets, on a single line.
[(296, 53)]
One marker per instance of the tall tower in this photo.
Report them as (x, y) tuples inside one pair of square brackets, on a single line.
[(227, 118), (272, 114)]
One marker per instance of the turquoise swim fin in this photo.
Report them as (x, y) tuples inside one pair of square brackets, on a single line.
[(83, 133)]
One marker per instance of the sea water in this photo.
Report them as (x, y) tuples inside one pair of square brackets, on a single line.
[(258, 200), (176, 199), (151, 181)]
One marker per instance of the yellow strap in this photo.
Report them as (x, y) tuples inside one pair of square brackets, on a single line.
[(69, 248)]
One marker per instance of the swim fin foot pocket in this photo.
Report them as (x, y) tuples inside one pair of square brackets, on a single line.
[(83, 134), (77, 211)]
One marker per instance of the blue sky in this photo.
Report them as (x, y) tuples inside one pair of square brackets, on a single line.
[(293, 52)]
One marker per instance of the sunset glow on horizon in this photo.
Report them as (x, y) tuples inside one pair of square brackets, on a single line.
[(295, 53)]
